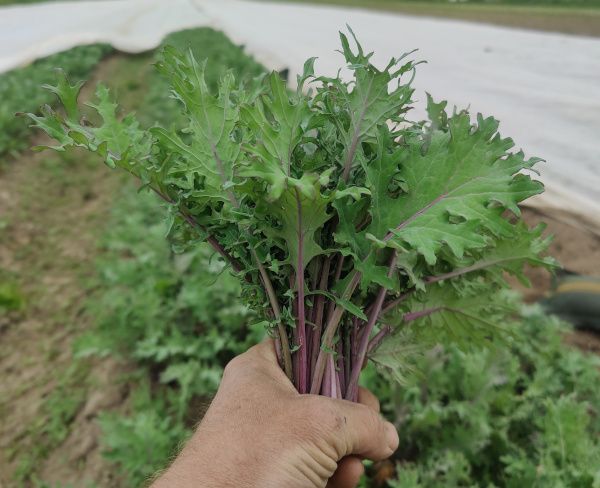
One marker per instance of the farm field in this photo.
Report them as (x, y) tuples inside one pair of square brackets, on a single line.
[(581, 18), (110, 342)]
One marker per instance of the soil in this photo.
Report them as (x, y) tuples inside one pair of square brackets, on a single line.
[(575, 246), (53, 208), (577, 249)]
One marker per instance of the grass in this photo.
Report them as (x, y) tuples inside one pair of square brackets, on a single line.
[(578, 19)]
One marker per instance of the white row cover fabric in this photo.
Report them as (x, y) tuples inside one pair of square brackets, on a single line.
[(33, 31), (544, 87)]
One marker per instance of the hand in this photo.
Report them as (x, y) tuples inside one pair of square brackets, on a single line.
[(259, 432)]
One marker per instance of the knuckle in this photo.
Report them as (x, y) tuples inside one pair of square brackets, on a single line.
[(233, 367), (367, 415), (320, 413)]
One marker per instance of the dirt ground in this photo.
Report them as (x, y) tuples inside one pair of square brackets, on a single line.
[(577, 248), (53, 208), (574, 245)]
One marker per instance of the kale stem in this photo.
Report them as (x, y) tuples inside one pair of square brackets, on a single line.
[(364, 339), (409, 317), (341, 372), (336, 277), (301, 316), (387, 306), (353, 347), (237, 267), (329, 334), (318, 317), (212, 241), (326, 387), (378, 338), (337, 393), (281, 332)]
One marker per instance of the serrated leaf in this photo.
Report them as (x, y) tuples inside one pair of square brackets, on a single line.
[(466, 172), (301, 211)]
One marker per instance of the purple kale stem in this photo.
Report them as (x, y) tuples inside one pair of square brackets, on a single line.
[(216, 245), (281, 332), (340, 376), (336, 277), (353, 145), (295, 340), (366, 333), (409, 317), (387, 306), (326, 387), (329, 334), (377, 338), (318, 320), (347, 357), (331, 380), (353, 346), (337, 383), (387, 329), (301, 324), (310, 331), (311, 315), (462, 271)]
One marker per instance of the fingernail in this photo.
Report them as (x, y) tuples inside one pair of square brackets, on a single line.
[(391, 435)]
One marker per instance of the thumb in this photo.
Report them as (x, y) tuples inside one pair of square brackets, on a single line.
[(364, 432)]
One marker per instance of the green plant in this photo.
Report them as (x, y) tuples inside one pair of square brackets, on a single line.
[(334, 209), (143, 441), (524, 416), (19, 89), (204, 43), (11, 297), (176, 314)]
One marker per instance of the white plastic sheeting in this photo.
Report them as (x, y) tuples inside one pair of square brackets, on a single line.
[(32, 31), (545, 88)]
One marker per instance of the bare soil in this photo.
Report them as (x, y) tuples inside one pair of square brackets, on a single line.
[(53, 208), (575, 245), (577, 248)]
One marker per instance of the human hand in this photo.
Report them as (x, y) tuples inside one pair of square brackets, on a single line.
[(259, 432)]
